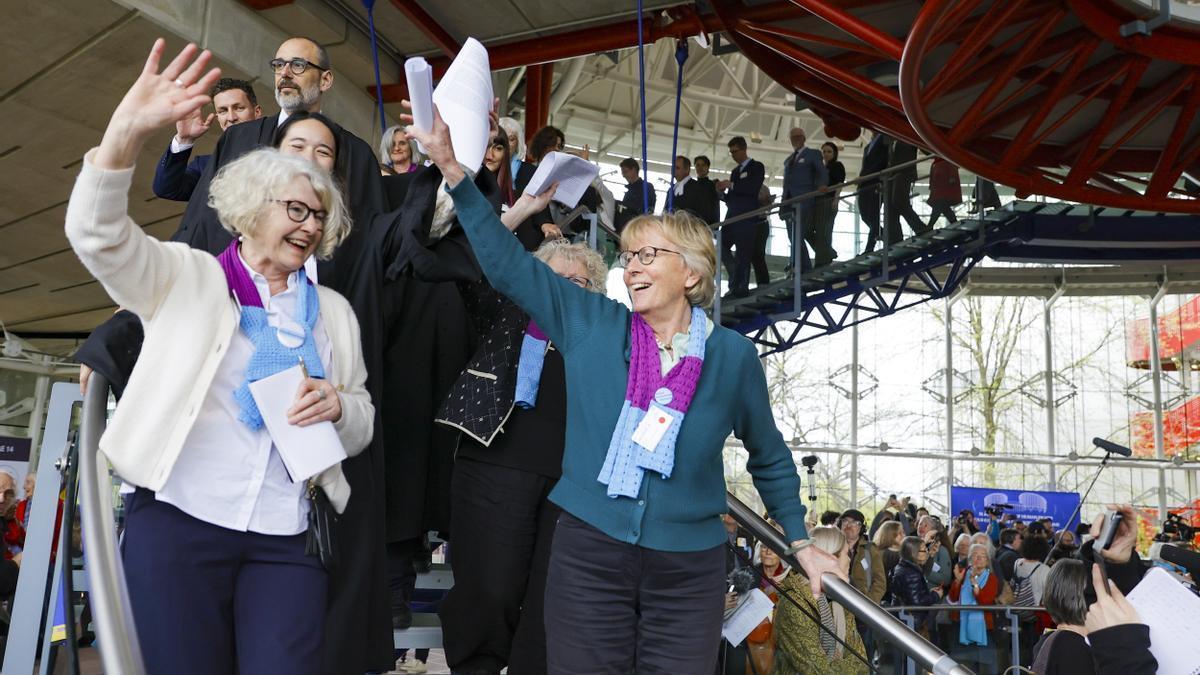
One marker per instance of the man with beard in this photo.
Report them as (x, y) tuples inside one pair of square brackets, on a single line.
[(358, 638), (233, 101)]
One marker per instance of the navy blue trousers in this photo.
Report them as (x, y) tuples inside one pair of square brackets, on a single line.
[(619, 608), (210, 600)]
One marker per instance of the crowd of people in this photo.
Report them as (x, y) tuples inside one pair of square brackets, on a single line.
[(482, 386), (476, 376), (1070, 621)]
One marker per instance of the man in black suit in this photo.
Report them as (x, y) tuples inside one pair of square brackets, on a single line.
[(899, 193), (639, 195), (175, 178), (686, 194), (741, 196), (710, 200), (875, 159)]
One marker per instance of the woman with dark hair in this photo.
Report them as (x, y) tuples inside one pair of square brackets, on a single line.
[(907, 581), (1106, 639), (826, 205), (496, 159)]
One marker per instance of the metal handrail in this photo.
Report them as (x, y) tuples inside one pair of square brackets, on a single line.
[(887, 627), (954, 607), (111, 610)]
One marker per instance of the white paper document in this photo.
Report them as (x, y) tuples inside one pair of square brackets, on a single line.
[(419, 76), (573, 174), (464, 98), (305, 451), (1173, 614), (755, 607)]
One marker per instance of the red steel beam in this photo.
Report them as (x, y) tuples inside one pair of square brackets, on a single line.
[(996, 18), (816, 39), (533, 100), (887, 44), (1092, 141), (1164, 174), (954, 20), (974, 113), (1017, 99), (1156, 103), (1020, 147), (546, 90), (429, 26), (825, 69)]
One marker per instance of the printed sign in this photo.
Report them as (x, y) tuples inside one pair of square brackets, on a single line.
[(1027, 505)]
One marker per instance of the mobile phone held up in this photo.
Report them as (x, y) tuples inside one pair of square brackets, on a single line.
[(1108, 532)]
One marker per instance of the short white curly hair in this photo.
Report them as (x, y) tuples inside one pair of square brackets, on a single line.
[(597, 271), (244, 187)]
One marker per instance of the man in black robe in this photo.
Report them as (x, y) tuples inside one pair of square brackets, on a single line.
[(358, 634)]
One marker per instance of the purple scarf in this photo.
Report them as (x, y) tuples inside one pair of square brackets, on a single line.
[(655, 405)]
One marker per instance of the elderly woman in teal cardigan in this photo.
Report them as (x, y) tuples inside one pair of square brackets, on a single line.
[(637, 569)]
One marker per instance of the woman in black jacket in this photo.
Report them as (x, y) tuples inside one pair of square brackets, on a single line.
[(907, 583), (1119, 642)]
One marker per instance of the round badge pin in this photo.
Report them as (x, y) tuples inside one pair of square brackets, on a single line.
[(663, 396)]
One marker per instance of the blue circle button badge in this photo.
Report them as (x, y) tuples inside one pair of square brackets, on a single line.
[(663, 396)]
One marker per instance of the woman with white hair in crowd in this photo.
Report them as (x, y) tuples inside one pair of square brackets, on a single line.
[(976, 583), (637, 567), (398, 152), (516, 143), (215, 531), (802, 645)]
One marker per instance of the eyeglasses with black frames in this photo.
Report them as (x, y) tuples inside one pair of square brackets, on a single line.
[(297, 65), (299, 212)]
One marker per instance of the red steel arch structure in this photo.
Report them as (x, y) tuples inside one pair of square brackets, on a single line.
[(1045, 96)]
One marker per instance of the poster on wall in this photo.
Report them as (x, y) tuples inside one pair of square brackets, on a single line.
[(14, 460), (1026, 505)]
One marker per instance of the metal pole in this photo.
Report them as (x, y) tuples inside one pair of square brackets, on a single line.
[(41, 396), (949, 394), (854, 411), (865, 611), (1048, 344), (111, 608), (1156, 381)]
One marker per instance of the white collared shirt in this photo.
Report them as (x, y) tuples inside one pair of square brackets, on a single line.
[(680, 184), (227, 474)]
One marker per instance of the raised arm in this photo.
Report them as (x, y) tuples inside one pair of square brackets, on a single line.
[(135, 269), (562, 309)]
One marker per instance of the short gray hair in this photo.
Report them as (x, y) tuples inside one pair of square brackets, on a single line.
[(385, 147), (511, 126), (558, 247), (1063, 594), (986, 551), (244, 187)]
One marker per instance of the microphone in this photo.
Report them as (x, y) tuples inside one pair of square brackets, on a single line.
[(1109, 446)]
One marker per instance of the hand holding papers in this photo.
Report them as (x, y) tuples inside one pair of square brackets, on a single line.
[(420, 93), (305, 451), (464, 99), (752, 608), (572, 174), (1172, 612)]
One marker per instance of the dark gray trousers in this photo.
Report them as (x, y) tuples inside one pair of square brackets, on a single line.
[(613, 607)]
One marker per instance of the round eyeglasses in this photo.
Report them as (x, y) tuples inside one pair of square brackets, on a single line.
[(645, 255), (299, 212), (298, 65)]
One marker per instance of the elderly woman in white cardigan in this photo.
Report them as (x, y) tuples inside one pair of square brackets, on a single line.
[(215, 545)]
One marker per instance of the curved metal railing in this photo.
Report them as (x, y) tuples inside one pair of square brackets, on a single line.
[(886, 626), (111, 610)]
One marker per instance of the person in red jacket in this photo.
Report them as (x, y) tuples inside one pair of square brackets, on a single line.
[(976, 584), (945, 190)]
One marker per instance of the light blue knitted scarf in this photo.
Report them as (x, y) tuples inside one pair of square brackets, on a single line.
[(270, 355)]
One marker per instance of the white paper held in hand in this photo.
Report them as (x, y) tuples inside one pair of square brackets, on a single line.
[(1172, 612), (464, 99), (420, 93), (754, 607), (573, 175), (305, 451)]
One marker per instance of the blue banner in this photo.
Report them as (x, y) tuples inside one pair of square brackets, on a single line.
[(1027, 505)]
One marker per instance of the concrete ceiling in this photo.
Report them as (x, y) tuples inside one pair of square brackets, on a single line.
[(68, 62)]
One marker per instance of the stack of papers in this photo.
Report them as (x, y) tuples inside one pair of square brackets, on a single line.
[(463, 97), (1172, 612), (420, 93), (573, 175)]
